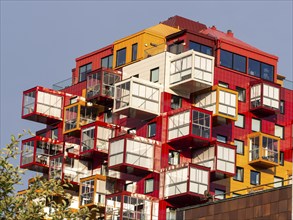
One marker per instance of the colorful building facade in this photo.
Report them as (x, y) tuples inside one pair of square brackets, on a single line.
[(163, 119)]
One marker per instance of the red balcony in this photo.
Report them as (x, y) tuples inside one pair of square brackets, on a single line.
[(35, 153), (126, 205), (189, 127), (186, 184), (42, 105), (95, 139), (134, 155), (264, 98), (219, 157), (100, 86), (70, 169)]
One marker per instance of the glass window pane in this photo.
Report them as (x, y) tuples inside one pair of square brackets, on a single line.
[(279, 131), (255, 124), (239, 63), (239, 174), (152, 129), (254, 178), (221, 138), (134, 52), (267, 72), (205, 49), (239, 147), (155, 75), (226, 59), (240, 121), (241, 94), (254, 68), (194, 46), (149, 185), (121, 57)]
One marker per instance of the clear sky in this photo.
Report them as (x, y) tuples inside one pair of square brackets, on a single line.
[(41, 39)]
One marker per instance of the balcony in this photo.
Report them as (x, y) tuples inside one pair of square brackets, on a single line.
[(264, 150), (77, 115), (134, 155), (137, 98), (219, 157), (42, 105), (70, 169), (191, 71), (264, 99), (221, 101), (35, 153), (126, 205), (100, 86), (186, 184), (95, 139), (189, 127)]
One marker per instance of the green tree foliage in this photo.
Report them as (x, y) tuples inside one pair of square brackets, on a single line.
[(41, 194)]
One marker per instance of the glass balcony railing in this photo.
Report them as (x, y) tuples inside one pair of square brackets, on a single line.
[(221, 101), (264, 149), (191, 71), (42, 105), (190, 126), (137, 98)]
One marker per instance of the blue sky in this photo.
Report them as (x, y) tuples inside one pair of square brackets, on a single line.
[(41, 39)]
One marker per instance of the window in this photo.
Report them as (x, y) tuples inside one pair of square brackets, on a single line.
[(155, 75), (223, 84), (241, 94), (83, 70), (219, 194), (149, 185), (176, 102), (278, 181), (282, 107), (235, 194), (176, 48), (254, 178), (255, 124), (279, 131), (239, 147), (233, 61), (254, 68), (267, 72), (121, 57), (281, 159), (152, 129), (262, 70), (73, 100), (108, 117), (240, 121), (54, 133), (239, 174), (134, 52), (107, 62), (170, 213), (174, 157), (200, 48), (129, 186), (221, 138)]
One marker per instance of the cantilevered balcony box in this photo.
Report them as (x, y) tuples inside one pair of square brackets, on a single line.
[(264, 98), (189, 127), (137, 98), (36, 151), (100, 86), (264, 150), (186, 184), (70, 169), (191, 71), (42, 105), (77, 115), (221, 101), (134, 155), (126, 205), (95, 139), (219, 157)]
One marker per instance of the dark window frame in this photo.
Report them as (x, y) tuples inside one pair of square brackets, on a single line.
[(145, 185), (242, 176), (281, 158), (150, 134), (237, 147), (225, 137), (260, 124), (174, 104), (243, 122), (260, 69), (201, 48), (134, 48), (282, 107), (241, 90), (152, 71), (232, 65), (259, 178), (82, 75), (109, 64), (118, 63), (283, 131)]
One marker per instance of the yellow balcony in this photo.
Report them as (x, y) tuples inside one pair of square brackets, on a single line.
[(264, 150)]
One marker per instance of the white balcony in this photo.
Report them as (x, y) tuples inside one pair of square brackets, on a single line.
[(137, 98), (191, 71)]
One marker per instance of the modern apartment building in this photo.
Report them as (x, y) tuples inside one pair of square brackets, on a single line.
[(163, 119)]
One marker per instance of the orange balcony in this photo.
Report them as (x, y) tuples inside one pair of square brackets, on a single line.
[(186, 184), (264, 150), (100, 86), (36, 151), (219, 157), (191, 71), (70, 169), (189, 127), (126, 205), (134, 155), (95, 139), (264, 98), (221, 101), (42, 105)]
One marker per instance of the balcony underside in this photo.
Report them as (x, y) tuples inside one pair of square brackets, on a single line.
[(37, 167), (189, 141), (263, 163), (185, 199), (40, 118), (130, 169), (94, 153), (263, 111), (101, 100), (189, 86), (136, 113)]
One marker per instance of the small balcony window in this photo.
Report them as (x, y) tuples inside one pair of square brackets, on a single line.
[(278, 181), (239, 147), (155, 75), (149, 186), (279, 131), (173, 157), (240, 121), (254, 178), (219, 194), (239, 174), (241, 94), (176, 102), (221, 138), (83, 70), (134, 52), (255, 124), (152, 129), (120, 57), (107, 62)]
